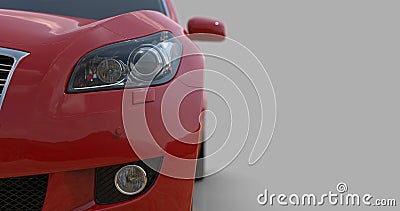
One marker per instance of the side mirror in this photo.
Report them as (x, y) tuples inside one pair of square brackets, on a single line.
[(206, 29)]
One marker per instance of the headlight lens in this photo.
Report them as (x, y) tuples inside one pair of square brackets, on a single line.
[(143, 62), (110, 70)]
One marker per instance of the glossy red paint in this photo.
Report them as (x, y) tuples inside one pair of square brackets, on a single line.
[(44, 130), (206, 29), (38, 114)]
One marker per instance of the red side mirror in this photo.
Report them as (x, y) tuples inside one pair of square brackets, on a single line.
[(206, 29)]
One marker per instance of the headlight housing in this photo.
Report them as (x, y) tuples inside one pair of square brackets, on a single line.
[(143, 62)]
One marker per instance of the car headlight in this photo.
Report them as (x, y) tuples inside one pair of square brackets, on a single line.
[(148, 61)]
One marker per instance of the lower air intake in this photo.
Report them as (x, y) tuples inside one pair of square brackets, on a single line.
[(23, 193)]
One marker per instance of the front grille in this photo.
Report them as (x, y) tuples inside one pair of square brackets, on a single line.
[(9, 60), (6, 64), (23, 193)]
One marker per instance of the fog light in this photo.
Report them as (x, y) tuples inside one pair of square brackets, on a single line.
[(131, 180)]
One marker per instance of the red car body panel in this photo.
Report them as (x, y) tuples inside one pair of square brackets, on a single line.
[(45, 130)]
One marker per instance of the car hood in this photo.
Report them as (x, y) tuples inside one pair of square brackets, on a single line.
[(19, 27), (25, 31)]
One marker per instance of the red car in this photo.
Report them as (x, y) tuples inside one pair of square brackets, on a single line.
[(76, 80)]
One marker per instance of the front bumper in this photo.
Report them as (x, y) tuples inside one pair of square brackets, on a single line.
[(76, 191)]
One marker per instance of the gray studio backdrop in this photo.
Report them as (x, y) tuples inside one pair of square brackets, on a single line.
[(335, 68)]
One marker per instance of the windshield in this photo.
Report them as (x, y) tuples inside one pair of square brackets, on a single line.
[(90, 9)]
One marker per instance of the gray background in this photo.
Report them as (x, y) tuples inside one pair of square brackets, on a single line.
[(335, 68)]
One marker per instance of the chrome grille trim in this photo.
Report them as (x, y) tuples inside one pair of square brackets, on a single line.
[(17, 56)]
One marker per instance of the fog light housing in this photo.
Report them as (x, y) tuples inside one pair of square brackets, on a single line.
[(131, 180)]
